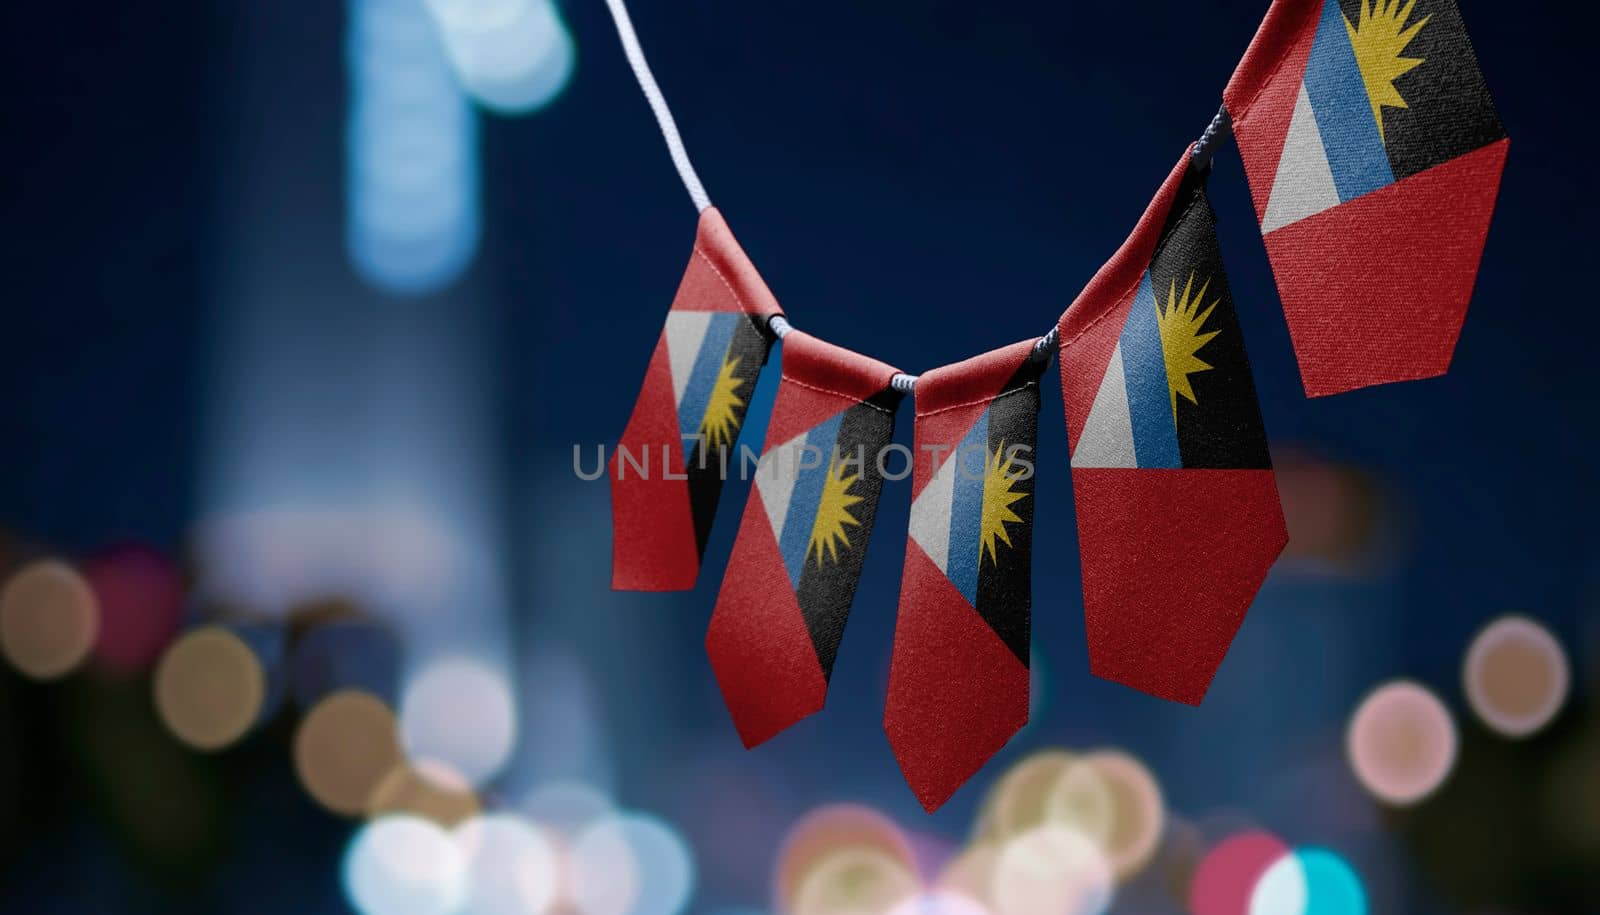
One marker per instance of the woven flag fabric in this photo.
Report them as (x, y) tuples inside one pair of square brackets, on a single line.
[(792, 575), (958, 682), (1178, 512), (1374, 155), (668, 470)]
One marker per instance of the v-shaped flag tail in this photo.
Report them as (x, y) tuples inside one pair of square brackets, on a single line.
[(792, 576), (1374, 155), (1178, 512), (958, 684), (667, 472)]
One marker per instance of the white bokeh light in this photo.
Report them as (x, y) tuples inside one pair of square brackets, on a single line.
[(631, 864), (512, 868), (940, 902), (460, 712), (404, 865), (1051, 870), (1282, 889)]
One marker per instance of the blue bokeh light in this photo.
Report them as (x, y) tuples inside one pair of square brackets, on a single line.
[(1309, 881), (511, 56), (1333, 888), (413, 210)]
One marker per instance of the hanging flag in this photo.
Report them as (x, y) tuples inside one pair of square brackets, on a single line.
[(667, 472), (1178, 514), (958, 684), (1374, 155), (787, 592)]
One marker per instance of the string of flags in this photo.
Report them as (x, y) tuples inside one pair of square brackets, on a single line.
[(1373, 154)]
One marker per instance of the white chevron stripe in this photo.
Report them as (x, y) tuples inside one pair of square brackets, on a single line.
[(1107, 439), (930, 513), (1304, 184), (775, 478), (686, 330)]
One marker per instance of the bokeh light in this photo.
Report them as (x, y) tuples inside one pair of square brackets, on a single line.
[(1081, 800), (1333, 886), (1226, 879), (460, 712), (1335, 515), (512, 868), (1136, 813), (855, 880), (427, 788), (663, 862), (1051, 870), (48, 619), (412, 152), (565, 806), (293, 558), (631, 864), (1401, 743), (1309, 881), (400, 865), (210, 688), (1020, 799), (1105, 796), (344, 748), (1516, 676), (940, 902), (141, 594), (829, 829), (971, 873), (1282, 890), (512, 56)]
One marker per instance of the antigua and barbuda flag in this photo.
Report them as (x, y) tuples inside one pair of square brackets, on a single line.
[(1374, 156), (958, 684), (1178, 513), (668, 470), (792, 575)]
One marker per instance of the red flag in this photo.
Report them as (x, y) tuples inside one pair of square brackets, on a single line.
[(667, 472), (792, 576), (1178, 513), (958, 685), (1374, 155)]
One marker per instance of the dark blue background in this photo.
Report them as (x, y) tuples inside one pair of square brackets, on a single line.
[(919, 181)]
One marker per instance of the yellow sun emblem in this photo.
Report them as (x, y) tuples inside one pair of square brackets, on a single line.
[(833, 513), (998, 496), (721, 423), (1182, 335), (1379, 36)]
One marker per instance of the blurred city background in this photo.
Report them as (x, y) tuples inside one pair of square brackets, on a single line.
[(304, 610)]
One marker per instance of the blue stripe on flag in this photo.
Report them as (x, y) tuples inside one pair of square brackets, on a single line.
[(807, 495), (1339, 98), (703, 378), (966, 509), (1144, 368)]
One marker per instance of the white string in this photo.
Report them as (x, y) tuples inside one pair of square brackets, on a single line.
[(1042, 351), (658, 104), (1201, 152)]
